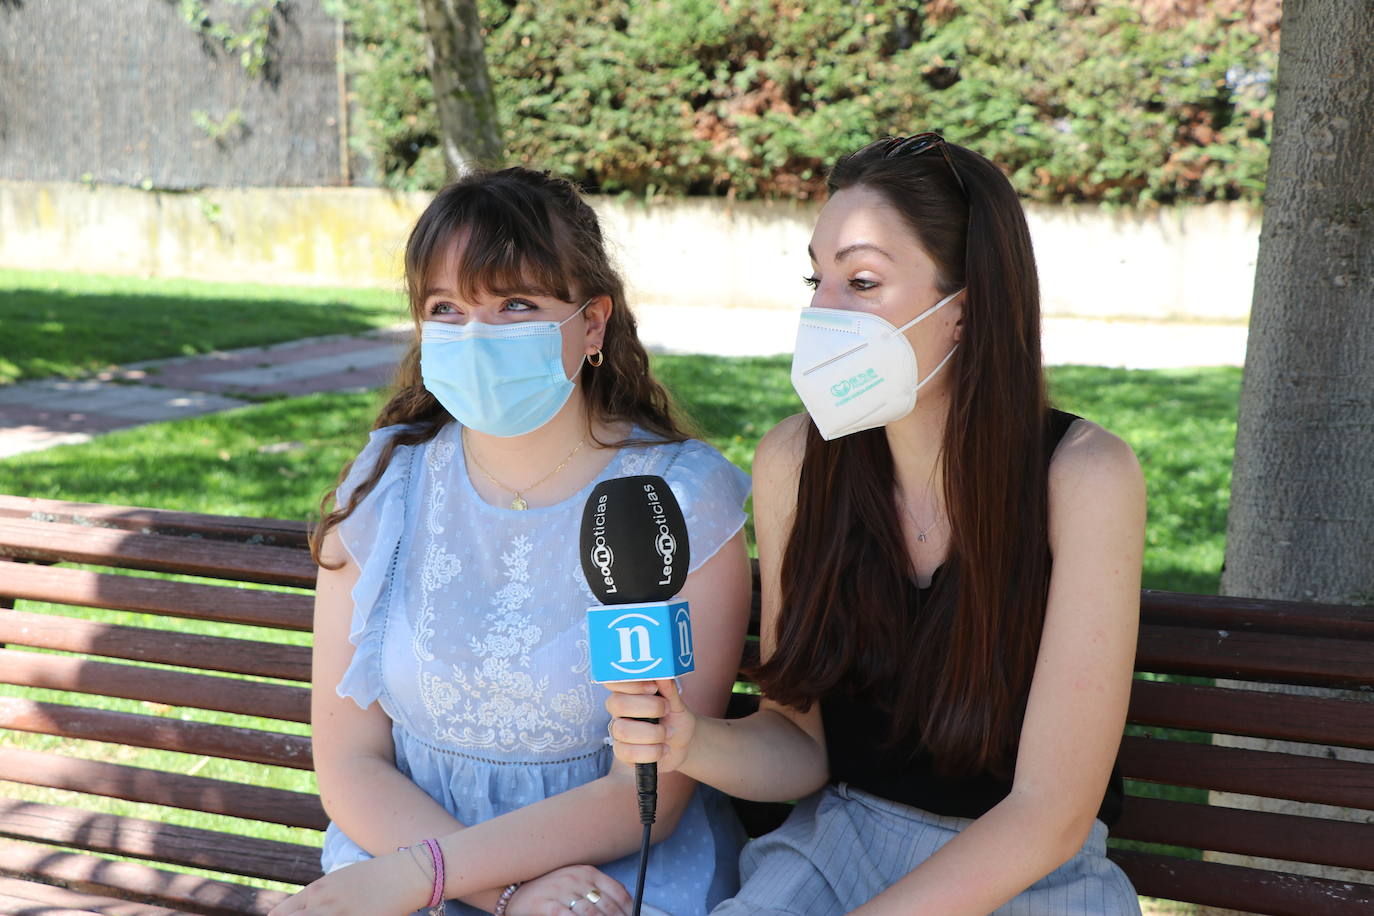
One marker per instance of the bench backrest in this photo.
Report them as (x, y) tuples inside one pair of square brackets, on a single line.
[(191, 693), (193, 688)]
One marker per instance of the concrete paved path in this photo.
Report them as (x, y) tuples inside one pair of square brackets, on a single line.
[(40, 414)]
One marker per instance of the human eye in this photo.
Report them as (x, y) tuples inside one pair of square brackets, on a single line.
[(861, 284), (442, 308), (812, 280), (518, 306)]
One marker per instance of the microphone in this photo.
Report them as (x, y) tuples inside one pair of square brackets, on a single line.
[(635, 553)]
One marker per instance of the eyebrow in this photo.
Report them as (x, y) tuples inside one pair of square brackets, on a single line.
[(847, 250)]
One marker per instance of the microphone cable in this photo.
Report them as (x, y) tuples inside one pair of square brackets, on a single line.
[(646, 788)]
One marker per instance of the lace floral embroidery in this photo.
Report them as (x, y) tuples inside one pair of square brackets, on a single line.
[(439, 566), (637, 461), (500, 703)]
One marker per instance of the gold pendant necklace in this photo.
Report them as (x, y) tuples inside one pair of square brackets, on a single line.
[(519, 503)]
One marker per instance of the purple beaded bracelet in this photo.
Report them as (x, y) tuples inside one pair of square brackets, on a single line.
[(504, 900)]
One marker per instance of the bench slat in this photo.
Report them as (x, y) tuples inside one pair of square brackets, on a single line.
[(167, 647), (1253, 713), (281, 532), (96, 875), (19, 906), (1308, 660), (158, 787), (203, 738), (29, 898), (1236, 887), (1249, 833), (56, 542), (168, 844), (1342, 783), (224, 603), (1224, 612), (155, 685)]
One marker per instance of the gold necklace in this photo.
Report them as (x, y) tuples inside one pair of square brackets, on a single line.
[(519, 502)]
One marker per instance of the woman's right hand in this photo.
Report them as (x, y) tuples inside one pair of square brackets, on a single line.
[(665, 743), (565, 890)]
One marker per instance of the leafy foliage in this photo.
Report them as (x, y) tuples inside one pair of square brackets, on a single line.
[(247, 29), (1078, 100)]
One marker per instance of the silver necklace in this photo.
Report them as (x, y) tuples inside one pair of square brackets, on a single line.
[(921, 533)]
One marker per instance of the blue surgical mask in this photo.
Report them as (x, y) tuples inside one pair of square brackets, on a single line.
[(499, 379)]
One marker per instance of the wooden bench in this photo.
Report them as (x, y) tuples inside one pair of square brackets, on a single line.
[(55, 852)]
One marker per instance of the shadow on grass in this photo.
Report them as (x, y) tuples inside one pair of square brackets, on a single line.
[(72, 332)]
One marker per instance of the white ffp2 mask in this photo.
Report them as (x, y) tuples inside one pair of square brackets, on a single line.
[(855, 370)]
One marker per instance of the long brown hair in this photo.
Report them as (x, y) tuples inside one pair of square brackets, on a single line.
[(959, 673), (525, 232)]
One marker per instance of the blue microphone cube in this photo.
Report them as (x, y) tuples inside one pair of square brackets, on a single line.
[(640, 642)]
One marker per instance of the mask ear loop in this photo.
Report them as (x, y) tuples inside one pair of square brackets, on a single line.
[(936, 371), (931, 311), (579, 311), (577, 373), (922, 317)]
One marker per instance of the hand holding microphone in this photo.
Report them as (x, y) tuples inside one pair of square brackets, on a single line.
[(635, 554), (665, 743)]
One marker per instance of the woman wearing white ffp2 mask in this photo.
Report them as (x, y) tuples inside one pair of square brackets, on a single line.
[(949, 583), (850, 386)]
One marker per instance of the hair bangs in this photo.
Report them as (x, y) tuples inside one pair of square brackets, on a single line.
[(495, 246)]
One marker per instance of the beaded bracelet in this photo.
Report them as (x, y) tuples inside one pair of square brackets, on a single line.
[(504, 900)]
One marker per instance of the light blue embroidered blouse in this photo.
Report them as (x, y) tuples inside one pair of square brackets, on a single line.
[(468, 626)]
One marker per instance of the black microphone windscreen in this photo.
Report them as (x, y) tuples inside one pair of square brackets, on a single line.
[(634, 544)]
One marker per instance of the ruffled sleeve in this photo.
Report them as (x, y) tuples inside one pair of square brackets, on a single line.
[(371, 536), (711, 492)]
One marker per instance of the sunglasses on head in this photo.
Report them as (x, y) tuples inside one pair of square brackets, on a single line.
[(917, 144)]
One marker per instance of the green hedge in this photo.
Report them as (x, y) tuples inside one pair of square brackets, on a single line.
[(753, 98)]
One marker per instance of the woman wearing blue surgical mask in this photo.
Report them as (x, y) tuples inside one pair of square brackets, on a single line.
[(453, 712), (950, 573)]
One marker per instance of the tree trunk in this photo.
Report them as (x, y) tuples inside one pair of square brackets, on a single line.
[(462, 88), (1301, 524)]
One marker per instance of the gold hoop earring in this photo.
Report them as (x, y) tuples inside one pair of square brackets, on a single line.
[(596, 358)]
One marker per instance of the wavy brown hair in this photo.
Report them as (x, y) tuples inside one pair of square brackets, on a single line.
[(525, 232), (962, 667)]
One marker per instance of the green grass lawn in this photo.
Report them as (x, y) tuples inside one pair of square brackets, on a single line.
[(278, 458), (74, 325)]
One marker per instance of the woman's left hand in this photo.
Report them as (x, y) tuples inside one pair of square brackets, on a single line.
[(574, 889), (390, 885)]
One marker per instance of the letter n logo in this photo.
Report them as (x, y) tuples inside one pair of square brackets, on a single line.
[(632, 638)]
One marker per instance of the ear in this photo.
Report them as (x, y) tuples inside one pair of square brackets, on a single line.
[(956, 305), (597, 314)]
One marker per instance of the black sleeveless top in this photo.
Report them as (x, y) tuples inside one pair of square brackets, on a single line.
[(856, 729)]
